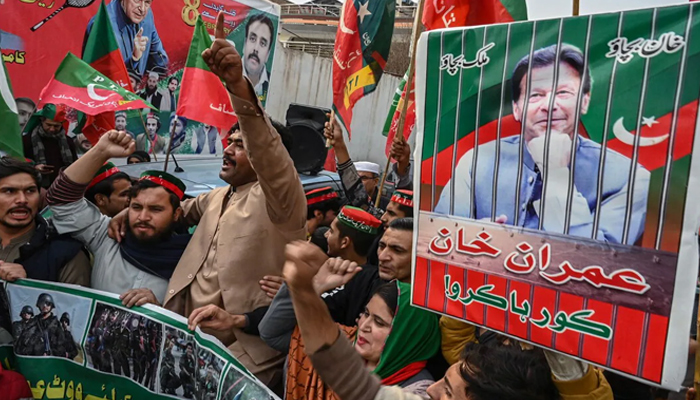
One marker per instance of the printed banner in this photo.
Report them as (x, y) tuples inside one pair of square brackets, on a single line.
[(153, 37), (557, 182), (81, 344)]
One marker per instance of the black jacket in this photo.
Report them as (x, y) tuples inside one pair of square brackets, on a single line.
[(47, 252)]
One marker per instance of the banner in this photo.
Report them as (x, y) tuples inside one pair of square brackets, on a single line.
[(557, 184), (81, 344), (153, 37)]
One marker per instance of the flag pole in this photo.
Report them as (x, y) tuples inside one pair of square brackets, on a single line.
[(409, 84), (696, 380), (170, 146), (576, 8)]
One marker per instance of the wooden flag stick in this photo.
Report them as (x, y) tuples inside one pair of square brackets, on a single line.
[(576, 8), (409, 83), (170, 146)]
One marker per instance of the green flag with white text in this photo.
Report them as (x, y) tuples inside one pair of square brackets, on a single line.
[(11, 138)]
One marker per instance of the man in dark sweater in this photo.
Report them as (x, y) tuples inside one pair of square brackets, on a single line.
[(46, 142)]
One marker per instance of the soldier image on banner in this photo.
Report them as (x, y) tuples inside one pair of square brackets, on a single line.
[(209, 369), (125, 344), (25, 316), (43, 334), (178, 371)]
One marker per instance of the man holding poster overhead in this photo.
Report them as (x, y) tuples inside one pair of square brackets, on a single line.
[(550, 122)]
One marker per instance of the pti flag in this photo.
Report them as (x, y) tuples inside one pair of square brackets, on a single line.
[(439, 14), (77, 85), (11, 141), (557, 191), (203, 97), (362, 47), (103, 54)]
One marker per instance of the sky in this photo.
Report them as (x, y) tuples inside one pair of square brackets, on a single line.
[(539, 9)]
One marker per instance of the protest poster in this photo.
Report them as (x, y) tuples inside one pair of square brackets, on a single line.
[(557, 184), (81, 344), (164, 28)]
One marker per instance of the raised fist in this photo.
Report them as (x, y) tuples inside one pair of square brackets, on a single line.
[(222, 57)]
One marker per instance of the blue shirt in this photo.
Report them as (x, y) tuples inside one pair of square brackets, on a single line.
[(154, 58), (613, 194)]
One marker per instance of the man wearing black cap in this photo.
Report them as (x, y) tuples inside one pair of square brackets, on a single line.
[(138, 268)]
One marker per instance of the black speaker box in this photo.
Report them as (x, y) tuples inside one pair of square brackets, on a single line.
[(309, 147)]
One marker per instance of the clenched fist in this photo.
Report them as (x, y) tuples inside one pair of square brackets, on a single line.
[(115, 144)]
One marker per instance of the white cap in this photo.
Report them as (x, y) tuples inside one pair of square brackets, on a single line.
[(366, 166)]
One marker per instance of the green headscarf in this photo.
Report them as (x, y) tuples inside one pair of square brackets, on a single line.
[(414, 336)]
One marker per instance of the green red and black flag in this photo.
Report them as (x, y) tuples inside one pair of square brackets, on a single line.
[(203, 97), (11, 139), (102, 53), (449, 14), (78, 85), (362, 46), (639, 109)]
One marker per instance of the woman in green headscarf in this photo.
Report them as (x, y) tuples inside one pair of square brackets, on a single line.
[(395, 339)]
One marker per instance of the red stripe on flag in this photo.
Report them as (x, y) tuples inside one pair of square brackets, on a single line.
[(496, 318), (596, 349), (655, 348), (436, 288), (203, 98), (487, 133), (649, 155), (455, 307), (515, 325), (542, 299), (420, 281), (627, 340), (78, 98), (475, 311), (568, 341)]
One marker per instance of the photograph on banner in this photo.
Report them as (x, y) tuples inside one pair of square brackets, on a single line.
[(209, 372), (178, 370), (122, 343), (153, 39), (48, 324), (239, 386), (143, 352), (554, 175), (189, 137)]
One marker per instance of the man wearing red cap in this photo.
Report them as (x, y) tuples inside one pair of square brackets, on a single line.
[(242, 229), (138, 268), (109, 190), (322, 206)]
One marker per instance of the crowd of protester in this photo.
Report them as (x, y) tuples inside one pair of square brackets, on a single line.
[(309, 291)]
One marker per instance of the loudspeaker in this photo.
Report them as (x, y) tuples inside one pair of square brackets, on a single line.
[(309, 145)]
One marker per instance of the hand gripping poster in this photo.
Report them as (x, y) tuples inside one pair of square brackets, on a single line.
[(153, 38), (82, 344), (559, 184)]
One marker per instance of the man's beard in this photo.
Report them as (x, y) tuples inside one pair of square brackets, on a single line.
[(151, 90), (156, 238)]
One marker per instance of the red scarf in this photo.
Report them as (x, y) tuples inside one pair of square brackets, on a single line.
[(404, 373)]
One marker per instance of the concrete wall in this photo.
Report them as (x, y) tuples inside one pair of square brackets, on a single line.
[(302, 78)]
